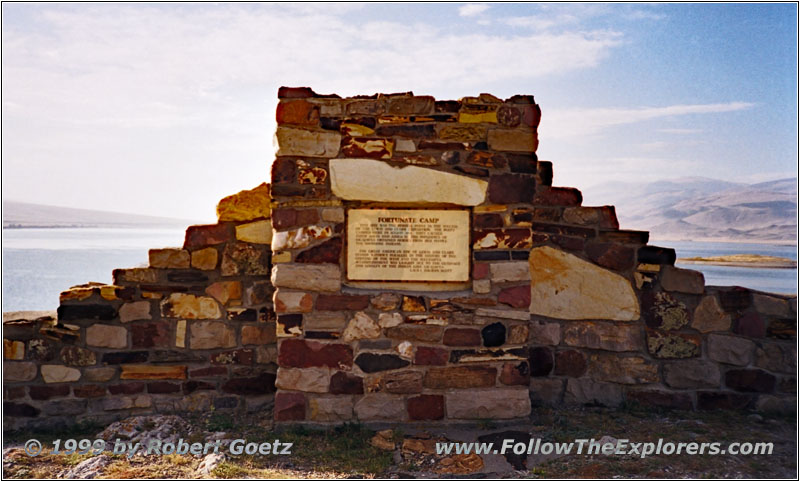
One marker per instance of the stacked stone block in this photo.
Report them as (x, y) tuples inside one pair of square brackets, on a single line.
[(561, 307), (193, 331)]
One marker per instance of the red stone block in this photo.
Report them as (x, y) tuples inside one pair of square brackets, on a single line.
[(163, 387), (751, 325), (462, 337), (612, 256), (193, 385), (304, 353), (12, 393), (284, 218), (515, 374), (342, 302), (570, 363), (426, 407), (343, 383), (89, 391), (541, 360), (558, 196), (487, 221), (511, 188), (327, 252), (284, 171), (723, 400), (750, 380), (299, 112), (261, 384), (289, 406), (296, 93), (149, 335), (200, 236), (480, 270), (208, 372), (427, 355), (531, 115), (126, 388), (516, 296)]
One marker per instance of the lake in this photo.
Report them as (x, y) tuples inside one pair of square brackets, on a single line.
[(40, 263)]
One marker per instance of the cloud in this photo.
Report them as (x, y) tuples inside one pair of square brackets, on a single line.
[(472, 9), (575, 123), (170, 94)]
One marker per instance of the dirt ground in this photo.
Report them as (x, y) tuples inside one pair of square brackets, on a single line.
[(358, 451)]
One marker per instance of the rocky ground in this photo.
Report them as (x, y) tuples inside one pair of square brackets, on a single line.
[(358, 451)]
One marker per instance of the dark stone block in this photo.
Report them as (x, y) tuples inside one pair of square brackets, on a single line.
[(248, 314), (522, 163), (48, 392), (362, 121), (520, 255), (284, 171), (89, 391), (129, 388), (330, 123), (426, 407), (723, 401), (491, 160), (623, 236), (378, 362), (186, 277), (656, 255), (148, 335), (473, 171), (163, 387), (11, 409), (557, 196), (119, 357), (440, 146), (327, 252), (343, 383), (518, 461), (447, 106), (570, 363), (545, 171), (612, 256), (511, 188), (541, 360), (209, 372), (322, 335), (296, 93), (258, 385), (751, 325), (784, 329), (735, 298), (560, 229), (462, 337), (487, 221), (86, 312), (490, 255), (451, 157), (750, 380), (508, 116), (494, 334), (342, 302), (193, 385), (175, 356)]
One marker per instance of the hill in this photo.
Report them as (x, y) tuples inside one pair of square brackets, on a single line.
[(28, 215), (704, 209)]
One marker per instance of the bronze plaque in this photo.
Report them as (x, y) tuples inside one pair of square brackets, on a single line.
[(408, 245)]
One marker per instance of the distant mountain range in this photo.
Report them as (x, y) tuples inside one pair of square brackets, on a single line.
[(704, 209), (27, 215)]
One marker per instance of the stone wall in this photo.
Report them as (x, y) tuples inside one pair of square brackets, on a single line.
[(194, 331), (560, 306)]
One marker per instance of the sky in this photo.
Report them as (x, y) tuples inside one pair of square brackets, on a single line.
[(163, 109)]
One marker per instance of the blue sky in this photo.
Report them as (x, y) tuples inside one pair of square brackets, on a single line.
[(164, 108)]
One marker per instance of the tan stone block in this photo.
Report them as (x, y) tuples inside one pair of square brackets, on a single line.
[(567, 287), (515, 140), (224, 291), (316, 380), (293, 301), (482, 286), (60, 374), (282, 257), (107, 336), (307, 277), (334, 320), (101, 374), (182, 305), (507, 314), (258, 335), (371, 180), (169, 258), (133, 311), (153, 372), (682, 280), (19, 372), (267, 354), (603, 336), (491, 404), (330, 409), (258, 232), (108, 292), (771, 305), (124, 403), (509, 271), (730, 349), (361, 326), (518, 335), (333, 215), (205, 259), (587, 391), (388, 320), (211, 334), (692, 374), (245, 205), (405, 145), (13, 349), (301, 142), (462, 133), (379, 406), (709, 316), (138, 275), (180, 334), (545, 333)]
